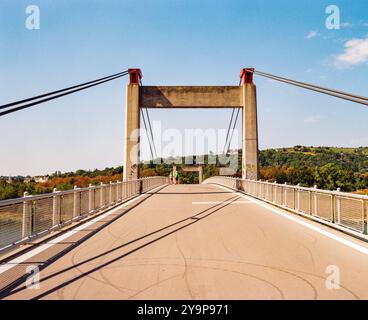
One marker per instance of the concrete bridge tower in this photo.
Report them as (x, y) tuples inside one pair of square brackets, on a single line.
[(243, 96)]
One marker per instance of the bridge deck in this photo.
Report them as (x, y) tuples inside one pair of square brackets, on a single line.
[(202, 242)]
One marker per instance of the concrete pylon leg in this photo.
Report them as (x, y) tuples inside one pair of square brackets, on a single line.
[(132, 128), (250, 164), (200, 175)]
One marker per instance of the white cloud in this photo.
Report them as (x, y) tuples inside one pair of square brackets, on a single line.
[(347, 25), (356, 52), (312, 119), (312, 34)]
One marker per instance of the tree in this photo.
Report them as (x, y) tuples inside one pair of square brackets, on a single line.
[(332, 176)]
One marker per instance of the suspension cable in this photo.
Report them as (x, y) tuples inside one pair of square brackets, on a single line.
[(65, 92), (151, 132), (59, 91), (232, 133), (228, 130), (314, 86), (331, 92), (145, 127)]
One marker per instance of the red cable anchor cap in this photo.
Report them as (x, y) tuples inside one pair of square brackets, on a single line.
[(246, 75), (135, 75)]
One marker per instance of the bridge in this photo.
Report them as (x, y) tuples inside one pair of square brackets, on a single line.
[(147, 238)]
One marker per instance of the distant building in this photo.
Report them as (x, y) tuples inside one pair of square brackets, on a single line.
[(40, 179)]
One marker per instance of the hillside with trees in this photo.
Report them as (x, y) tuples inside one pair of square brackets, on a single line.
[(327, 167)]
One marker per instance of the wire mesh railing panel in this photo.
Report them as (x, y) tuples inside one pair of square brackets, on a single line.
[(350, 213), (254, 188), (105, 196), (304, 201), (289, 198), (245, 186), (96, 198), (262, 190), (269, 192), (322, 206), (84, 202), (279, 195), (129, 189), (42, 214), (77, 204), (11, 223), (118, 191), (67, 207), (251, 188)]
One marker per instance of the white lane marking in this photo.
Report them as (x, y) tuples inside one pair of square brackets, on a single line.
[(9, 265), (326, 233), (220, 202)]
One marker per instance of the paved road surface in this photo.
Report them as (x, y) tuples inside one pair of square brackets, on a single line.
[(202, 242)]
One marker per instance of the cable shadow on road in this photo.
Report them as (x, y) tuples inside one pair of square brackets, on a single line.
[(5, 291), (191, 220)]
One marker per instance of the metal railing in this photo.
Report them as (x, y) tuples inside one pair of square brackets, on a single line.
[(30, 216), (342, 209)]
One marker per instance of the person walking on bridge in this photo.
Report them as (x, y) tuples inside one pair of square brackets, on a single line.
[(176, 177)]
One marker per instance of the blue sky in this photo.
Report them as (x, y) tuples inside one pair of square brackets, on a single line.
[(174, 43)]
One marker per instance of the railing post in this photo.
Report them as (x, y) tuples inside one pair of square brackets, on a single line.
[(75, 203), (26, 219), (285, 195), (90, 198), (315, 201), (101, 195), (332, 208), (365, 215), (117, 191), (140, 186), (298, 197), (338, 207), (55, 209), (110, 194)]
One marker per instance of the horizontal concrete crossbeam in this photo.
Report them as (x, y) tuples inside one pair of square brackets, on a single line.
[(191, 97)]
